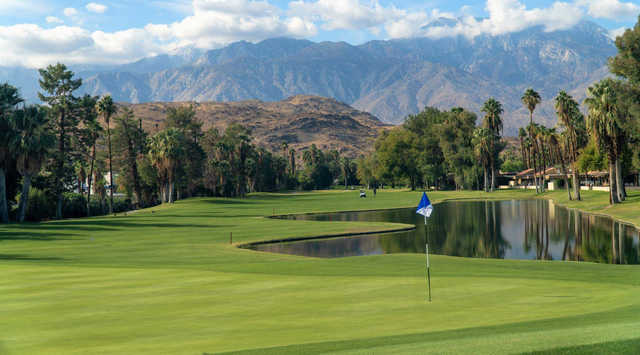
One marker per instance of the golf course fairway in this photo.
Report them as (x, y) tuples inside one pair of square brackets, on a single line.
[(167, 280)]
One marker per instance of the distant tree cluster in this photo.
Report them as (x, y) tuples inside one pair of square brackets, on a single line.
[(72, 147), (440, 149)]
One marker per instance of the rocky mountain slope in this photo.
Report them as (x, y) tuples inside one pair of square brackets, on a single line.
[(299, 121), (389, 79)]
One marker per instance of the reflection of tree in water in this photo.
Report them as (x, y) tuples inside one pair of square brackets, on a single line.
[(470, 229), (475, 229), (584, 237)]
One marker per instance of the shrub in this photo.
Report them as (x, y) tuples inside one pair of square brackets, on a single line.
[(40, 206)]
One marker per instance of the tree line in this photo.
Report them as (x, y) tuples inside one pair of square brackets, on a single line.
[(439, 149), (72, 147)]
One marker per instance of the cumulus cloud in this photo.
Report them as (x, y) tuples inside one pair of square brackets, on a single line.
[(611, 9), (53, 19), (33, 46), (217, 22), (70, 12), (95, 7), (507, 16), (346, 14), (617, 32)]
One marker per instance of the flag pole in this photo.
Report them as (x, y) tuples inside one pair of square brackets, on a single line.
[(427, 253)]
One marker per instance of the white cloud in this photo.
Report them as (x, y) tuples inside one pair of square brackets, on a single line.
[(33, 6), (33, 46), (53, 19), (70, 12), (95, 7), (611, 9), (507, 16), (345, 14), (617, 32), (217, 22)]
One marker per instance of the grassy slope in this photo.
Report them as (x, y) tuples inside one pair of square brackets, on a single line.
[(169, 282)]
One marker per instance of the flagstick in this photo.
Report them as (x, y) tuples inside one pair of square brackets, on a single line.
[(427, 253)]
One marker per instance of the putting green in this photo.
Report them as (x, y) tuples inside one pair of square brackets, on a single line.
[(170, 282)]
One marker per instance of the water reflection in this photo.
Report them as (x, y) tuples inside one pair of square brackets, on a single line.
[(534, 229)]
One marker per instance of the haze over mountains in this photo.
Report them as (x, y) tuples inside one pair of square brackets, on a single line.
[(389, 79)]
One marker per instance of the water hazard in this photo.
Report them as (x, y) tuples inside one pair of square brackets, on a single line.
[(518, 229)]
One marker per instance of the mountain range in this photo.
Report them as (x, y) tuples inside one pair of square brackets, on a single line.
[(390, 79)]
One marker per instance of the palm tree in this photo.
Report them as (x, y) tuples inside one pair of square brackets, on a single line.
[(603, 127), (571, 119), (292, 162), (93, 129), (9, 99), (157, 158), (522, 135), (530, 99), (482, 138), (493, 122), (107, 108), (562, 155), (34, 143), (166, 148), (307, 157), (344, 164)]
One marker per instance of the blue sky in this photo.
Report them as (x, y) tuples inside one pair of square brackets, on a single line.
[(36, 32)]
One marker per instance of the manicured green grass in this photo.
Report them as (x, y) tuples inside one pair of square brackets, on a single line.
[(168, 281)]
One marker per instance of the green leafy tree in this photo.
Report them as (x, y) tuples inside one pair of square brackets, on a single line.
[(126, 135), (35, 141), (604, 127), (58, 85), (9, 99)]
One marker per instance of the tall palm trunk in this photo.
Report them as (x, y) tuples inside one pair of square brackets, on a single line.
[(493, 176), (620, 181), (486, 179), (110, 170), (535, 169), (576, 182), (24, 197), (566, 179), (90, 179), (4, 210), (613, 189)]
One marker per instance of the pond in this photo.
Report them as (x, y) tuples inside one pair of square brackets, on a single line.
[(517, 229)]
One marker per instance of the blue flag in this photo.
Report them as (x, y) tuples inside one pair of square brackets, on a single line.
[(424, 208)]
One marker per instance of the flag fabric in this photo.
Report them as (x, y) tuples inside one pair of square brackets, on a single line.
[(424, 208)]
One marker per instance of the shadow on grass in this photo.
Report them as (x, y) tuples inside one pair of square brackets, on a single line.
[(99, 225), (22, 257), (631, 347), (41, 237)]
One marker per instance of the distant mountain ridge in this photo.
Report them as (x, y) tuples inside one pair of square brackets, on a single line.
[(389, 79)]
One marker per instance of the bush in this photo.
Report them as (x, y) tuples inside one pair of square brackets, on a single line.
[(40, 206), (74, 205)]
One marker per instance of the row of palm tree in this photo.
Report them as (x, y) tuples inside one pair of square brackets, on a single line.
[(488, 143), (606, 123)]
